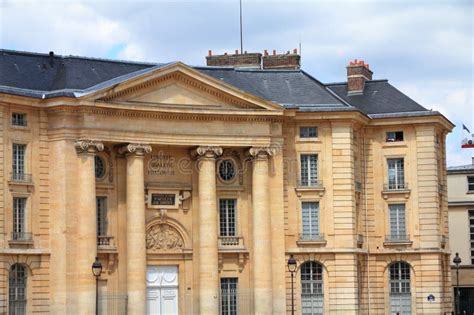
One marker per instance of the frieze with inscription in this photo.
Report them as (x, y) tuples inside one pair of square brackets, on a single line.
[(162, 164)]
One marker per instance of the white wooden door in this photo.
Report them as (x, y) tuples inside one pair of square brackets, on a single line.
[(162, 290)]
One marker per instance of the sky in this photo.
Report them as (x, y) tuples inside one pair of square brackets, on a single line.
[(424, 48)]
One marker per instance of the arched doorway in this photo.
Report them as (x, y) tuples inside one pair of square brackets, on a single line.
[(17, 281), (400, 292), (312, 295)]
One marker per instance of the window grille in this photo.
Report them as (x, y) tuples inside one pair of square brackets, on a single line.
[(99, 166), (312, 295), (101, 206), (396, 173), (309, 169), (229, 301), (227, 217), (19, 119), (308, 132), (397, 222), (400, 296), (226, 170), (17, 290), (310, 220)]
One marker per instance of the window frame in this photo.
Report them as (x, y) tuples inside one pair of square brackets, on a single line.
[(314, 222), (234, 165), (400, 231), (312, 285), (230, 301), (306, 177), (14, 121), (102, 216), (398, 175), (224, 219), (471, 234), (470, 185), (308, 134), (14, 285), (395, 137), (19, 218), (18, 164)]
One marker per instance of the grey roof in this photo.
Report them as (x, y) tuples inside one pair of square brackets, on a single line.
[(33, 75), (379, 97), (469, 168)]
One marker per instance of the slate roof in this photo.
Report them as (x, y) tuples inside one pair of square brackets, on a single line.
[(32, 74), (469, 168)]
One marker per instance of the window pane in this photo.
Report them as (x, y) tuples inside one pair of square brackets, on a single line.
[(310, 220), (101, 205), (309, 169), (397, 221), (229, 300), (308, 132), (227, 217), (396, 173), (19, 119), (312, 294), (18, 159), (17, 290), (19, 228)]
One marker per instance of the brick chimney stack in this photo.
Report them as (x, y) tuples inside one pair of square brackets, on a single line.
[(286, 61), (237, 60), (357, 74)]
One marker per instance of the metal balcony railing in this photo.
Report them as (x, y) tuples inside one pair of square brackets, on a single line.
[(312, 237), (21, 178), (231, 242), (395, 186), (22, 236), (313, 183), (396, 238)]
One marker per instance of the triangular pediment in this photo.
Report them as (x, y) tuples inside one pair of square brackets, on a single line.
[(184, 87)]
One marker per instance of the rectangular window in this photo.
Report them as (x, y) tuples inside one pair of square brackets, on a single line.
[(101, 206), (470, 183), (18, 161), (309, 169), (308, 132), (310, 221), (19, 119), (397, 222), (471, 229), (229, 296), (396, 174), (19, 227), (393, 136), (227, 217)]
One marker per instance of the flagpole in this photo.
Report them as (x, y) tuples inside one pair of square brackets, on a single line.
[(241, 39)]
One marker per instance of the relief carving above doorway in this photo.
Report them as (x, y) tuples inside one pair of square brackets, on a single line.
[(163, 237)]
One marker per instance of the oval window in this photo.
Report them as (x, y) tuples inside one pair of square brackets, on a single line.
[(99, 167), (227, 170)]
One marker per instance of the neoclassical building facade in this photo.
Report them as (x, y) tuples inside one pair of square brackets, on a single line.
[(194, 186)]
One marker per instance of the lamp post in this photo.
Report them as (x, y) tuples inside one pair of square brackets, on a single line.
[(457, 261), (292, 268), (96, 271)]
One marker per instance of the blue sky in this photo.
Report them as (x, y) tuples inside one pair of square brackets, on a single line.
[(424, 48)]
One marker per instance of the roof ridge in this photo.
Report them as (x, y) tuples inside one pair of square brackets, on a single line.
[(22, 52), (345, 82)]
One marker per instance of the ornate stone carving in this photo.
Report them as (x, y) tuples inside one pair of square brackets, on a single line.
[(208, 151), (263, 152), (139, 149), (163, 237), (88, 146)]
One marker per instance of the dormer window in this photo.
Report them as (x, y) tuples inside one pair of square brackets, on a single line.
[(394, 136), (308, 132)]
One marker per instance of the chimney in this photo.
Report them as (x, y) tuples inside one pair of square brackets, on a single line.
[(51, 58), (473, 160), (357, 74), (245, 60), (286, 61)]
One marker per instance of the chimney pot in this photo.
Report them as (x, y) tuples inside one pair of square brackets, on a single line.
[(210, 53), (274, 52), (295, 51), (236, 51), (225, 54), (358, 73), (265, 52), (51, 58)]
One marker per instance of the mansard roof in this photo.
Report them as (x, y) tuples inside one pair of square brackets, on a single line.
[(42, 76)]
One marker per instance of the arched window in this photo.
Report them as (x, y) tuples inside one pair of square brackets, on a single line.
[(312, 295), (400, 293), (17, 290)]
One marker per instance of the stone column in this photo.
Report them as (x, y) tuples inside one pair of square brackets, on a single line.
[(136, 233), (208, 255), (86, 224), (262, 247)]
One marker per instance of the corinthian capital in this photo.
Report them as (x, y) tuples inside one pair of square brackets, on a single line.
[(208, 151), (262, 152), (88, 146), (139, 149)]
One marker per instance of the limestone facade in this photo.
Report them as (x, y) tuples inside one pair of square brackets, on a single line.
[(162, 143)]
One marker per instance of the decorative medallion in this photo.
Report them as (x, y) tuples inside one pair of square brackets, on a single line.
[(162, 237)]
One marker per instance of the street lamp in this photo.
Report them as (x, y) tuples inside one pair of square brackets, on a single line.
[(457, 261), (292, 268), (96, 271)]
